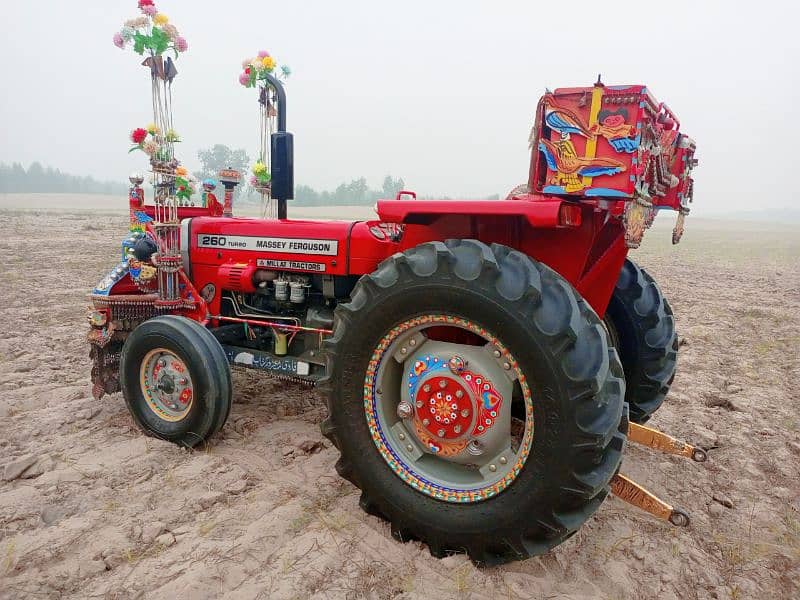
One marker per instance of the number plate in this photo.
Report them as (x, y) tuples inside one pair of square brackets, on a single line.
[(265, 361)]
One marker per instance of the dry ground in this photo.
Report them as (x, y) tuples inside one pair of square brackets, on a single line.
[(103, 511)]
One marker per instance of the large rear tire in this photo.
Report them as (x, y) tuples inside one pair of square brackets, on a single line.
[(176, 380), (503, 315), (642, 328)]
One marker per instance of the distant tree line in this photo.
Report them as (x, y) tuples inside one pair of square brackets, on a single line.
[(38, 179), (354, 192), (15, 178)]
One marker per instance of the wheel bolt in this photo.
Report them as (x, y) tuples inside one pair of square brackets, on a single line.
[(459, 394), (404, 410), (457, 428), (412, 342), (403, 350), (402, 436), (440, 433), (465, 413), (426, 388), (503, 460), (492, 468), (496, 353), (506, 366), (475, 448), (426, 422), (410, 448), (442, 384)]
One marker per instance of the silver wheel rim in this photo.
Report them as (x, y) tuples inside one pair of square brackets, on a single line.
[(166, 385), (440, 412)]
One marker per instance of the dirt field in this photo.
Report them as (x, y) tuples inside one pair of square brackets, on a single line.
[(91, 508)]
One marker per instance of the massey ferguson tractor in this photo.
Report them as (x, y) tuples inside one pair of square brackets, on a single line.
[(484, 362)]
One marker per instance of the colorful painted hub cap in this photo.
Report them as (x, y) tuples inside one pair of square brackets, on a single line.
[(440, 413), (166, 385), (447, 412)]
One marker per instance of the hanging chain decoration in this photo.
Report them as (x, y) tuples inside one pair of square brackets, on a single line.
[(254, 76), (152, 35)]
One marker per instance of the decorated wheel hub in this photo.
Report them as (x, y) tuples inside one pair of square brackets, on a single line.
[(440, 412), (446, 411), (166, 385)]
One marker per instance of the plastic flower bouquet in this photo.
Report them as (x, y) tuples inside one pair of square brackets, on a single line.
[(150, 33), (256, 69)]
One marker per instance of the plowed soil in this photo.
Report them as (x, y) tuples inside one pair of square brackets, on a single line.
[(91, 508)]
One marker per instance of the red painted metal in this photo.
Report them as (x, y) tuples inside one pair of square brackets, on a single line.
[(593, 149)]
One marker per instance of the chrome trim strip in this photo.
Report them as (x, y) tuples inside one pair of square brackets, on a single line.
[(185, 243)]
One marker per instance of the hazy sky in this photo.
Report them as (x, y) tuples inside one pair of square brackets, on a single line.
[(440, 93)]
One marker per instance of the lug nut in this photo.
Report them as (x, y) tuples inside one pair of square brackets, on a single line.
[(403, 350), (506, 366), (475, 448), (465, 413), (412, 342), (496, 353), (410, 448), (442, 384), (426, 422), (402, 436), (459, 394), (404, 410), (426, 388), (492, 468), (503, 460), (440, 433), (457, 428)]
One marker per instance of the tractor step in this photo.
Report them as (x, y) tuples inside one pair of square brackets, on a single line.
[(631, 492), (657, 440)]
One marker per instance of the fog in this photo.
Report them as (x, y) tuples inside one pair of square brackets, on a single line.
[(441, 94)]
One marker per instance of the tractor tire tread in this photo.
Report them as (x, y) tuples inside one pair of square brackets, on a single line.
[(586, 361), (645, 326)]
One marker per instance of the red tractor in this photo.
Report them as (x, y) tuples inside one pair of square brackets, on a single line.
[(479, 358)]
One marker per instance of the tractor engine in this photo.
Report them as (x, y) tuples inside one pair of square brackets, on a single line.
[(271, 296)]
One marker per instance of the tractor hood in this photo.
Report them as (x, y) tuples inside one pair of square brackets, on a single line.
[(311, 246)]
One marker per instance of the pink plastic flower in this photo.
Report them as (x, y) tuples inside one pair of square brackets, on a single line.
[(263, 54), (138, 22), (119, 42), (253, 180), (149, 10), (244, 78), (171, 31), (181, 45)]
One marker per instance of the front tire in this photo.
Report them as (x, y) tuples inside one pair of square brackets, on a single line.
[(568, 388), (176, 380)]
